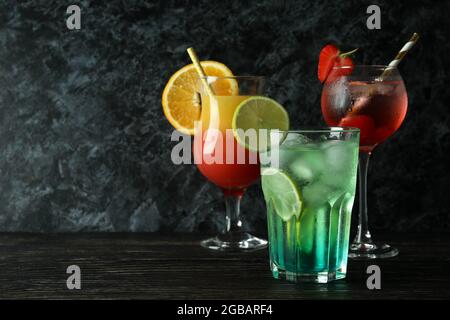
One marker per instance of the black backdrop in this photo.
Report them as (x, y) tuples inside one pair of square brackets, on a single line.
[(84, 145)]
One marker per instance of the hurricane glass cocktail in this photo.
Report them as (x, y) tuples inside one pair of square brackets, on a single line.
[(222, 160)]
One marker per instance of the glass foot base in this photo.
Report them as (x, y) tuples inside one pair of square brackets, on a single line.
[(369, 251), (318, 277), (236, 242)]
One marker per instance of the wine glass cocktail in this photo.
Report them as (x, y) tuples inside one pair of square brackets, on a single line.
[(222, 160), (373, 99)]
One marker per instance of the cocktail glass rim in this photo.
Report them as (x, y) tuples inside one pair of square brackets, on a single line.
[(325, 129), (360, 66)]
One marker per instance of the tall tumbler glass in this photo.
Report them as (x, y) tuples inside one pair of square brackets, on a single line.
[(309, 182)]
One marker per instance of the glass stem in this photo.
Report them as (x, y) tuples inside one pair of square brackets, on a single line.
[(363, 235), (233, 219)]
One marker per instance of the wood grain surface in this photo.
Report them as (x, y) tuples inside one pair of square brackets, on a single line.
[(151, 266)]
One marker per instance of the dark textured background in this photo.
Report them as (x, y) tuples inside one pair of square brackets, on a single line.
[(84, 145)]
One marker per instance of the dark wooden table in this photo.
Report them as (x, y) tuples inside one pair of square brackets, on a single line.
[(148, 266)]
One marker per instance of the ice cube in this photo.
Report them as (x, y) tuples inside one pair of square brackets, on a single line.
[(340, 94), (382, 88), (359, 89), (307, 166), (338, 155), (339, 162), (318, 193), (294, 139), (285, 157), (302, 172)]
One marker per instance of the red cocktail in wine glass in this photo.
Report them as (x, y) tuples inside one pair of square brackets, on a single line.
[(357, 96)]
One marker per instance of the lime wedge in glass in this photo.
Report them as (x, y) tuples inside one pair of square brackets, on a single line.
[(259, 113), (279, 188)]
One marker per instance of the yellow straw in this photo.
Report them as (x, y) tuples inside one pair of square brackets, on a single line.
[(211, 135), (200, 70)]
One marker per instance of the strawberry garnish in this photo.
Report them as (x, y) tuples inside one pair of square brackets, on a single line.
[(327, 59), (330, 56)]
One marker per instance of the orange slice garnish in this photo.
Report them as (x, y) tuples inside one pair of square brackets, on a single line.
[(180, 100)]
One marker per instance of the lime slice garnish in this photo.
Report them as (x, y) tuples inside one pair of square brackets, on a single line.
[(279, 188), (258, 113)]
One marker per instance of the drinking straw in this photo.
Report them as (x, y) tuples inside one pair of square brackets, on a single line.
[(211, 135), (400, 55), (200, 70)]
